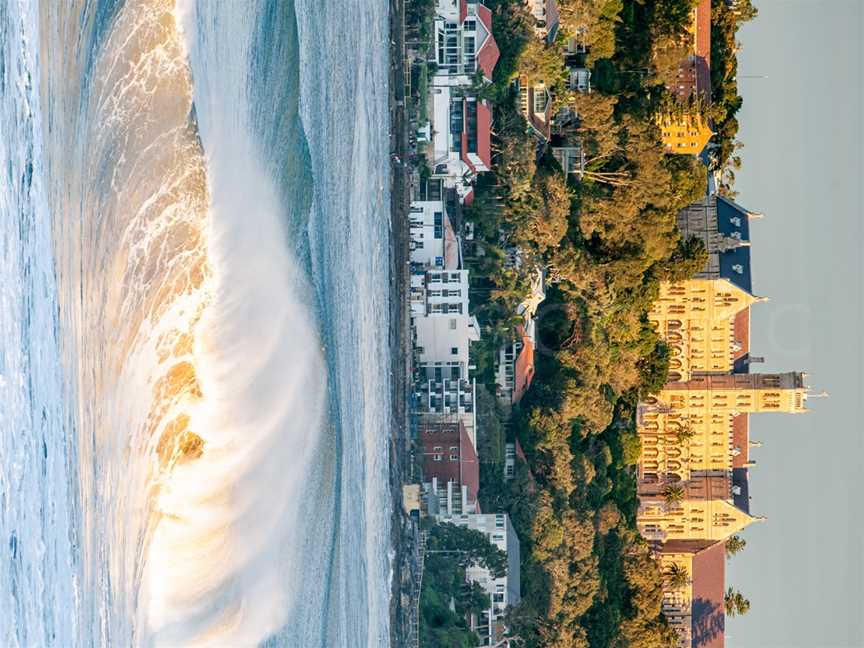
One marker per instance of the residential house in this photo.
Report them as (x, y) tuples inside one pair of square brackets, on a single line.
[(515, 369), (546, 18), (465, 53), (686, 133), (693, 78), (571, 157), (535, 104)]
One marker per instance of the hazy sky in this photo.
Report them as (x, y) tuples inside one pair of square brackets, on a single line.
[(801, 128)]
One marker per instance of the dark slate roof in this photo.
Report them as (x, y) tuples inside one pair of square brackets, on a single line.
[(735, 266), (742, 499), (733, 221)]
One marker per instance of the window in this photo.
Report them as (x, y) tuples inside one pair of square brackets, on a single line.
[(539, 100), (454, 350), (437, 449), (439, 225), (454, 448), (437, 457), (454, 457), (469, 25), (418, 245), (453, 324)]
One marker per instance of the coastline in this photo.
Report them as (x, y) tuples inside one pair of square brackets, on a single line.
[(403, 529)]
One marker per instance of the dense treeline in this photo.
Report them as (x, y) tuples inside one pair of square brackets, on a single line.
[(725, 22), (606, 242)]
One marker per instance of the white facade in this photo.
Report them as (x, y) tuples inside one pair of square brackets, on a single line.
[(447, 500), (453, 116), (457, 42), (426, 229), (503, 592), (445, 339)]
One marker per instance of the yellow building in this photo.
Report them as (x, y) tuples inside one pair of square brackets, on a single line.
[(684, 134), (687, 428), (704, 511), (694, 585), (697, 319)]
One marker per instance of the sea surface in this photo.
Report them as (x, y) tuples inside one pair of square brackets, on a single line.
[(194, 314)]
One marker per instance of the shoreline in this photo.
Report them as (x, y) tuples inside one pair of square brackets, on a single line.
[(403, 530)]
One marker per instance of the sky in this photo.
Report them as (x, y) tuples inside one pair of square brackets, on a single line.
[(802, 167)]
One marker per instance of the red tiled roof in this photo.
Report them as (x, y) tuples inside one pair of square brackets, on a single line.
[(741, 439), (703, 30), (469, 198), (709, 584), (484, 132), (463, 10), (465, 471), (523, 372), (469, 466), (488, 55), (742, 333), (703, 48)]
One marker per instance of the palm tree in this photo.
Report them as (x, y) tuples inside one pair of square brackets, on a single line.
[(673, 493), (685, 433), (735, 603), (734, 544), (677, 576)]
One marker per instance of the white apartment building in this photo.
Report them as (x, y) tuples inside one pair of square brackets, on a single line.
[(503, 592), (432, 239)]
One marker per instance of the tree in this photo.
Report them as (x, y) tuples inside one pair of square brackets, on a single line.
[(673, 493), (685, 433), (734, 544), (676, 576), (469, 547), (735, 603)]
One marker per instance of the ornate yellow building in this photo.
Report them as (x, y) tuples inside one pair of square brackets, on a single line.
[(704, 511), (693, 467), (687, 429), (697, 319)]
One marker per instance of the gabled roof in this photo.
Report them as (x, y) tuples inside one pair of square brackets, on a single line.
[(469, 466), (703, 48), (523, 371), (741, 482), (741, 329), (553, 18), (708, 610), (487, 56), (484, 132), (741, 440)]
